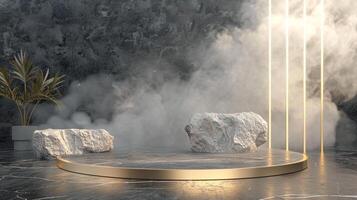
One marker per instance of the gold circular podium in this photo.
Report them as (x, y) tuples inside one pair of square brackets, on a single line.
[(186, 165)]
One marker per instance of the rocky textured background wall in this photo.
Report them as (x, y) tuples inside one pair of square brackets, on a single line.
[(84, 37), (123, 38)]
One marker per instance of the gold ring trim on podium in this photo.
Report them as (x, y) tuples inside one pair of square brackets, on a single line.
[(183, 174)]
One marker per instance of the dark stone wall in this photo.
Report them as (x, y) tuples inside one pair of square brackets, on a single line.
[(86, 37), (119, 37)]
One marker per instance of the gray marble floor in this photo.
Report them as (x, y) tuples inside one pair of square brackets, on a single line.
[(333, 176)]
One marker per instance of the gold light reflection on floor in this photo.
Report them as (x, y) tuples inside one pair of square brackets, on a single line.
[(322, 167), (269, 157), (287, 156), (202, 189)]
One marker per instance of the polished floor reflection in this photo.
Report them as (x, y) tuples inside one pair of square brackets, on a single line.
[(333, 176)]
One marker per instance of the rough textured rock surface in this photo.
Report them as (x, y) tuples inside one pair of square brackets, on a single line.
[(214, 132), (49, 143)]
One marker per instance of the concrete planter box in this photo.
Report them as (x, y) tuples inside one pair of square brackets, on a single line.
[(22, 137)]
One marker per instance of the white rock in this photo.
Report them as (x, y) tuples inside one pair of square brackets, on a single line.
[(214, 132), (49, 143)]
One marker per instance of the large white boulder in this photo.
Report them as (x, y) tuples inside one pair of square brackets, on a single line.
[(215, 132), (50, 143)]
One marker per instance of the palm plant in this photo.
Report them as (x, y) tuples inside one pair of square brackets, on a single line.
[(27, 86)]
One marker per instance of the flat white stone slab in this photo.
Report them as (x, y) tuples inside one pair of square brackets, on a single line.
[(216, 132), (50, 143)]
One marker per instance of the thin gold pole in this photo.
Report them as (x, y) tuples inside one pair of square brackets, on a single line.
[(322, 79), (269, 79), (304, 79), (287, 76)]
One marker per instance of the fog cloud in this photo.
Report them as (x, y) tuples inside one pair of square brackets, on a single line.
[(231, 76)]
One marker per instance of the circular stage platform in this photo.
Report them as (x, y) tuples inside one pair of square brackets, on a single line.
[(185, 166)]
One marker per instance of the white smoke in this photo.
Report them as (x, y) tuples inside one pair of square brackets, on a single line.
[(232, 77)]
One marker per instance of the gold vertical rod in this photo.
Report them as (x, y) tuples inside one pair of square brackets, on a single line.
[(269, 79), (304, 78), (322, 79), (287, 75)]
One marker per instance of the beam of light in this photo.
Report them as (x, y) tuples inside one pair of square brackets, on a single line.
[(304, 78), (287, 75), (322, 79), (269, 79)]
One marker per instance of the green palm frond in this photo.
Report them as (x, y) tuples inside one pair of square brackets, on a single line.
[(5, 84), (42, 84), (27, 85), (45, 88), (23, 69), (56, 82), (4, 77)]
